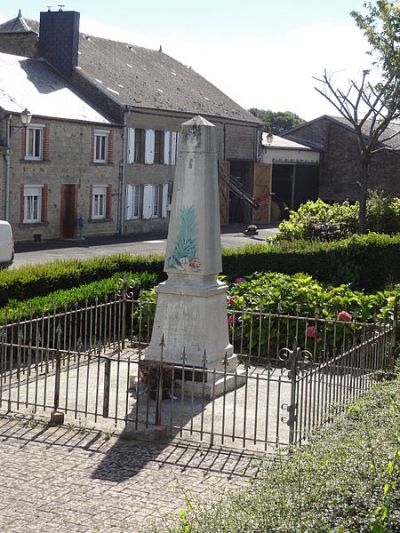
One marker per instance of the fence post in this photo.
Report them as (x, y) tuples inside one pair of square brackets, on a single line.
[(292, 407), (57, 418), (107, 380), (123, 325), (160, 386), (394, 332)]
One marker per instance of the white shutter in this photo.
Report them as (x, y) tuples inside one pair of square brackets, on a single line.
[(173, 147), (147, 201), (131, 145), (167, 147), (164, 205), (129, 202), (149, 147)]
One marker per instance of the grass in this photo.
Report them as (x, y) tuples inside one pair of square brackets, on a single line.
[(346, 479)]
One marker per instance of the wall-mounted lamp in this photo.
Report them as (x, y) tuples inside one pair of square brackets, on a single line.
[(269, 138), (26, 117)]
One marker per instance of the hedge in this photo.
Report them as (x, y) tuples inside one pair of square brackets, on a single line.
[(77, 295), (369, 262), (346, 479), (41, 279)]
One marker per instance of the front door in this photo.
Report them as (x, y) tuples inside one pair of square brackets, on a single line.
[(68, 211)]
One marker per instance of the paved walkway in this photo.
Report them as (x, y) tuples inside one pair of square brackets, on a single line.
[(69, 479)]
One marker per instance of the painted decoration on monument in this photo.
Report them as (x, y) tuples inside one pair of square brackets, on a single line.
[(184, 256)]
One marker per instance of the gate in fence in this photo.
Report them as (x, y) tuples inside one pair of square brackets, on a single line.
[(295, 374)]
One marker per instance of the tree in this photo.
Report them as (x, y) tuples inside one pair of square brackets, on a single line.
[(370, 107), (277, 122)]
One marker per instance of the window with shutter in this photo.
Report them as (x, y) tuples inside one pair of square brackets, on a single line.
[(34, 142), (99, 202), (32, 204), (133, 201), (100, 146)]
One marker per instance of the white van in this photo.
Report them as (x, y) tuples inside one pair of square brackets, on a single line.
[(6, 244)]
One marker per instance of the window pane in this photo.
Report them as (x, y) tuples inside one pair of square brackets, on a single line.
[(100, 142), (34, 143), (37, 143), (136, 190)]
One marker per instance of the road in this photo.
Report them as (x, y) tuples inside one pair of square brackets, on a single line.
[(231, 237)]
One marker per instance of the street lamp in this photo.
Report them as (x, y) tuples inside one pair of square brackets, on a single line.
[(26, 117)]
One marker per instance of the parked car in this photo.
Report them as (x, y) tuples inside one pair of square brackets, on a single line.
[(6, 244)]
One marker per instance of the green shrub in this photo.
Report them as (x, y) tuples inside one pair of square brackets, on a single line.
[(78, 295), (369, 262), (347, 478), (320, 221), (317, 220), (41, 279)]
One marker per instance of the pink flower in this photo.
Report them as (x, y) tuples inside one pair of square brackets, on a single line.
[(238, 281), (311, 331), (345, 316), (231, 320), (230, 300), (318, 340)]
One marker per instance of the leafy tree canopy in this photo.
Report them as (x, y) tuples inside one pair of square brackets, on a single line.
[(277, 122), (381, 26)]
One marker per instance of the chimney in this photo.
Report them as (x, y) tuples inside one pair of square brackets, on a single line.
[(59, 39)]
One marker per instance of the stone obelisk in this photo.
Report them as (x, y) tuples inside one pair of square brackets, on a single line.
[(191, 312)]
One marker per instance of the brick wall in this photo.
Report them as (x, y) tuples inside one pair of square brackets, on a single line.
[(340, 169)]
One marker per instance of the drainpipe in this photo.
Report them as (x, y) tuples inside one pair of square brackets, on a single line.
[(8, 168), (122, 170)]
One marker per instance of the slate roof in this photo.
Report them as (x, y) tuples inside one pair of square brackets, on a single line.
[(32, 83), (17, 25), (281, 142), (391, 143), (149, 79)]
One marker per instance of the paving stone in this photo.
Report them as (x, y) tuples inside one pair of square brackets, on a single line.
[(54, 479)]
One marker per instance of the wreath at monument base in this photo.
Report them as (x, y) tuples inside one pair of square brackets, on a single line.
[(150, 374)]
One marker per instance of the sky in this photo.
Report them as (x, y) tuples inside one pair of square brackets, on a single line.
[(262, 53)]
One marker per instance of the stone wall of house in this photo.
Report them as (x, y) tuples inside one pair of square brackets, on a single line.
[(69, 163), (20, 44)]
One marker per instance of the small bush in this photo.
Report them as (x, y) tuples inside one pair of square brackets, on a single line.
[(317, 220), (346, 479)]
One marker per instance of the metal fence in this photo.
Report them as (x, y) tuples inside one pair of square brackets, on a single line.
[(294, 373)]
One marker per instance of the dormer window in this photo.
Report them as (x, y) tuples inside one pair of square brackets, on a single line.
[(34, 142), (100, 146)]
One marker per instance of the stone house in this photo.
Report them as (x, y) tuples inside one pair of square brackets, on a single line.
[(149, 94), (63, 165), (339, 169)]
